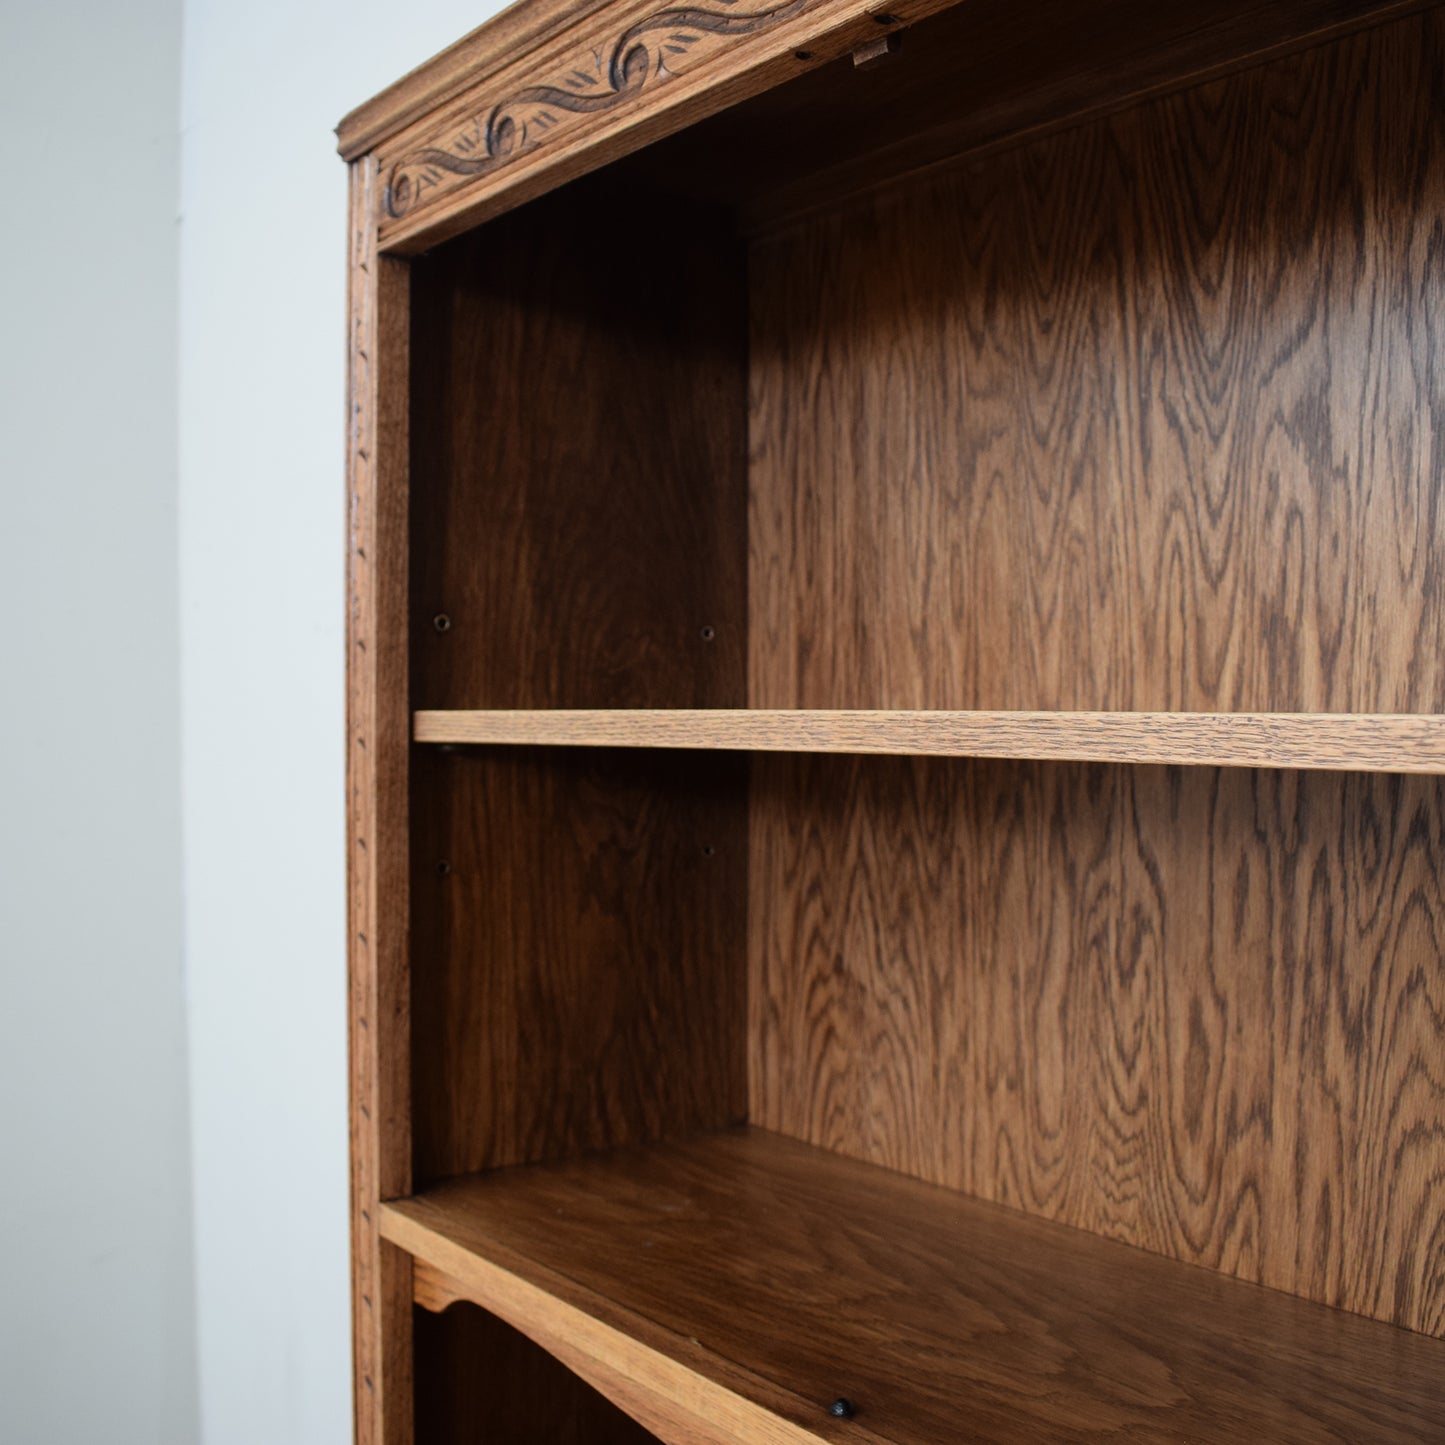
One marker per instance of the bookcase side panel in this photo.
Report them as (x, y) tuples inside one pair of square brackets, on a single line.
[(377, 751)]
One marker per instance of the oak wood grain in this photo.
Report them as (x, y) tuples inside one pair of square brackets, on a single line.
[(1273, 740), (768, 1279), (579, 460), (480, 1382), (1199, 1010), (579, 952), (1142, 416), (377, 753), (969, 80)]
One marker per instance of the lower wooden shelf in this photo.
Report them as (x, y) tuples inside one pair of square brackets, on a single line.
[(731, 1288)]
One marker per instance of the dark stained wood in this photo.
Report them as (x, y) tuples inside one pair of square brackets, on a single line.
[(579, 456), (973, 78), (755, 104), (1135, 424), (578, 952), (1198, 1010), (1405, 744), (377, 754), (758, 1272), (1140, 417), (480, 1382), (617, 79), (674, 1420)]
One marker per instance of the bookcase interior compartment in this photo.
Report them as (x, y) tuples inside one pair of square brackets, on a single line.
[(1138, 415), (579, 952), (1144, 415), (1193, 1009), (579, 458)]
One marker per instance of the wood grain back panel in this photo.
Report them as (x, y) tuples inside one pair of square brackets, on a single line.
[(1141, 416), (974, 77), (579, 459), (1199, 1010), (578, 952)]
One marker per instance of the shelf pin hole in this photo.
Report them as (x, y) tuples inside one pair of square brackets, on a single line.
[(442, 622), (443, 868), (708, 633)]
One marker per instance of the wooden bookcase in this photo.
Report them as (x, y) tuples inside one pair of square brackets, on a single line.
[(897, 720)]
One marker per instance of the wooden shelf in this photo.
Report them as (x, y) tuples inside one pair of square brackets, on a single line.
[(730, 1288), (1401, 743)]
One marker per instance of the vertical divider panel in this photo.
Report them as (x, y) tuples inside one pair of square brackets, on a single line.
[(378, 722)]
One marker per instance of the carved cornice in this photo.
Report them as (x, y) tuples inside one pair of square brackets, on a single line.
[(643, 57), (623, 74)]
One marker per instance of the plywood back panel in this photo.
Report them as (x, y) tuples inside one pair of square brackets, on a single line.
[(578, 952), (1200, 1010), (1146, 415), (579, 460)]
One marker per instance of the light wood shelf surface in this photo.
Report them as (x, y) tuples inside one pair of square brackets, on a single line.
[(732, 1287), (1377, 742)]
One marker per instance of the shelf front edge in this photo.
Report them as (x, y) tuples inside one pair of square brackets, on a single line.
[(1358, 742)]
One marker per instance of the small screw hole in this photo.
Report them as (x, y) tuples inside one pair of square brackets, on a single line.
[(802, 54), (886, 19), (708, 633), (442, 622), (708, 850), (443, 868)]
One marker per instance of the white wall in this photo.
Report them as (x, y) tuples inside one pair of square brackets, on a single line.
[(261, 547), (95, 1234), (119, 738)]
